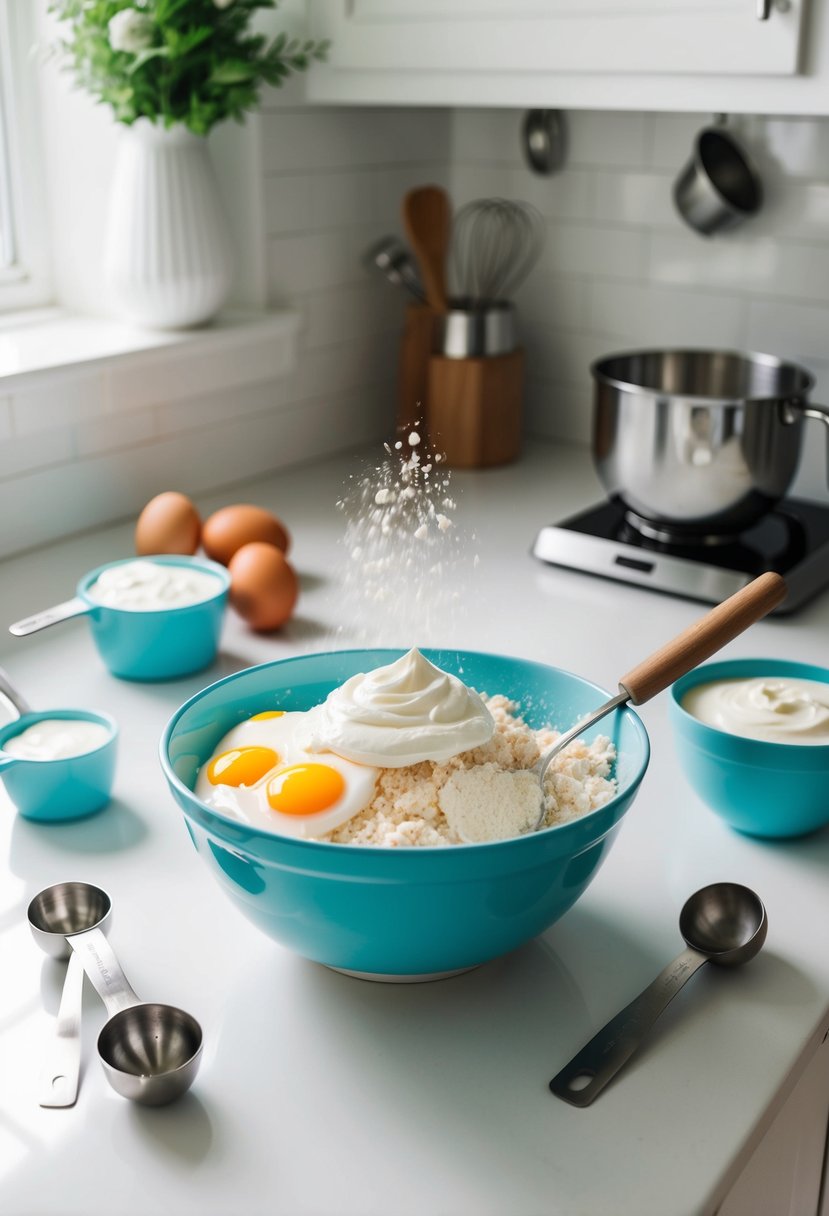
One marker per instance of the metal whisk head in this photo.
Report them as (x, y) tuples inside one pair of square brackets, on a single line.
[(495, 244)]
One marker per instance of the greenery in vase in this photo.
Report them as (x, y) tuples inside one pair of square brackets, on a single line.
[(194, 62)]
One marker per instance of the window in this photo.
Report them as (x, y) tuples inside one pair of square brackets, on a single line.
[(24, 263)]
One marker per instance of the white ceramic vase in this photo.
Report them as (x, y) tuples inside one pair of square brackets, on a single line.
[(168, 261)]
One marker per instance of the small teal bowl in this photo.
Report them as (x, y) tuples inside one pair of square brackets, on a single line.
[(53, 791), (138, 645), (386, 913), (773, 790)]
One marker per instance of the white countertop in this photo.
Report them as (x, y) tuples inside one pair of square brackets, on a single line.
[(328, 1096)]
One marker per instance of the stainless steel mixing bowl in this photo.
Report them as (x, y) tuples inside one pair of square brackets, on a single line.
[(698, 444)]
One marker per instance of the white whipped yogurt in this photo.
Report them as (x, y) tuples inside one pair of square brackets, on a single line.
[(57, 739), (770, 708), (401, 714), (147, 586)]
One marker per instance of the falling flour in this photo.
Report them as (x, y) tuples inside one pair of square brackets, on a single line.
[(404, 554)]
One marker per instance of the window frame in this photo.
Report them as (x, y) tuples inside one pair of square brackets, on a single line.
[(27, 283)]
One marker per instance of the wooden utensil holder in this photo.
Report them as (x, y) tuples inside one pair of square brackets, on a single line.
[(416, 346), (474, 408)]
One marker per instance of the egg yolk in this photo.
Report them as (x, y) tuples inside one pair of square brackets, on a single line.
[(242, 766), (268, 713), (305, 789)]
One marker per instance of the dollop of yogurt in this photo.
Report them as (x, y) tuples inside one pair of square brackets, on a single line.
[(147, 586), (401, 714), (57, 739), (769, 708)]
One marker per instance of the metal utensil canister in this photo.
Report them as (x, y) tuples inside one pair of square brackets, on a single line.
[(469, 332), (698, 445)]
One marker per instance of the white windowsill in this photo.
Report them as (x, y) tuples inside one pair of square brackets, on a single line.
[(44, 342)]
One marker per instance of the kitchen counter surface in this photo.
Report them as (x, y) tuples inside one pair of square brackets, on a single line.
[(322, 1094)]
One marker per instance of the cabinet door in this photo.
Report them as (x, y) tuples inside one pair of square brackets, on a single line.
[(702, 37)]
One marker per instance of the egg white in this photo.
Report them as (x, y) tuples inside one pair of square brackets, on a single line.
[(289, 736)]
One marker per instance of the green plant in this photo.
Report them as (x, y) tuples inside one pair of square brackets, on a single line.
[(194, 62)]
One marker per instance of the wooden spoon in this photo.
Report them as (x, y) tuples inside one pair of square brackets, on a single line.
[(427, 218), (695, 644)]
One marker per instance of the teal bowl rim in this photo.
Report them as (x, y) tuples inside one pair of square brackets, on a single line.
[(211, 816), (164, 559), (10, 729), (726, 669)]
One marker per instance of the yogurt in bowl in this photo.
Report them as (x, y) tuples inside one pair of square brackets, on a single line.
[(751, 738), (59, 764)]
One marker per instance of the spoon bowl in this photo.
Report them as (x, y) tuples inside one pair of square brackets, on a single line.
[(150, 1053), (726, 922), (65, 909)]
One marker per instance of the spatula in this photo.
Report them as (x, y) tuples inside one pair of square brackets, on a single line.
[(427, 218)]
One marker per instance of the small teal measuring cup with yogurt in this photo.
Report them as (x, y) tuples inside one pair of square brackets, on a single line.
[(146, 644), (58, 789)]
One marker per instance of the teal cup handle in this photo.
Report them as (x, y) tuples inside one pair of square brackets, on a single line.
[(50, 616), (53, 791)]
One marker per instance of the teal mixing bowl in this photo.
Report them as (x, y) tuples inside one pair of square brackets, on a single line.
[(759, 788), (388, 913)]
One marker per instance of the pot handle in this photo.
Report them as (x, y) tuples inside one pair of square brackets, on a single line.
[(808, 409)]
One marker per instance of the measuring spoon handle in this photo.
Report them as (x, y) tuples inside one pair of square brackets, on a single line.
[(59, 1075), (103, 969), (608, 1051)]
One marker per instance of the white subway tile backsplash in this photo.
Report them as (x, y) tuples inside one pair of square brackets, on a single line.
[(224, 364), (792, 331), (55, 400), (672, 139), (647, 315), (594, 250), (799, 147), (211, 409), (296, 203), (552, 301), (645, 199), (486, 135), (349, 313), (21, 453), (351, 138), (602, 138), (312, 262), (114, 431)]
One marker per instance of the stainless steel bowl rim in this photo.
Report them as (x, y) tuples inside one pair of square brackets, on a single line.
[(745, 356)]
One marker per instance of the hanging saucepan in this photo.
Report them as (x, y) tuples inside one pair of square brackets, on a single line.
[(698, 444), (719, 186)]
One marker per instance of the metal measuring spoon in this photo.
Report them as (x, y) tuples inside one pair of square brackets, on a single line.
[(695, 644), (724, 924), (88, 908), (150, 1052)]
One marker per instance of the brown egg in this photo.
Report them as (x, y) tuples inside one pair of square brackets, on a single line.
[(227, 530), (168, 524), (263, 585)]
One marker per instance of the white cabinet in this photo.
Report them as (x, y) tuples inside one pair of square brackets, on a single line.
[(624, 54), (693, 36)]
